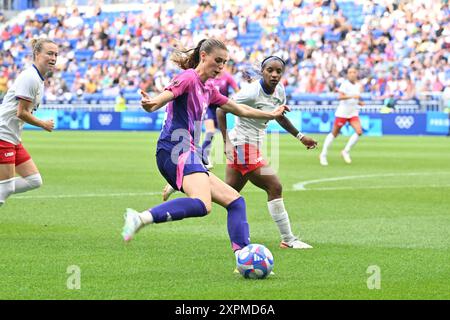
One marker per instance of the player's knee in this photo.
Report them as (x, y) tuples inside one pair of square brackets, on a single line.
[(34, 181), (275, 190)]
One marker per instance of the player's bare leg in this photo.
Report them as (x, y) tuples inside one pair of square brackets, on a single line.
[(327, 143), (168, 191), (196, 186), (356, 125), (7, 188), (235, 179)]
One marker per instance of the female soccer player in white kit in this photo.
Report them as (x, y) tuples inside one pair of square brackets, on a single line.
[(18, 105), (347, 111), (243, 143)]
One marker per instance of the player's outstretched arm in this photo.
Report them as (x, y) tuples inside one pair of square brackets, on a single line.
[(150, 104), (243, 110), (24, 113)]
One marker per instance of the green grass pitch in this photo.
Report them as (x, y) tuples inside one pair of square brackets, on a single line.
[(387, 211)]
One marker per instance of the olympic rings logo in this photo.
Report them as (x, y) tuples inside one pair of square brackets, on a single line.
[(404, 122), (105, 119)]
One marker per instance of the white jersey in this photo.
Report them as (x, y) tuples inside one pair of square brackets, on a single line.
[(249, 130), (348, 108), (29, 85)]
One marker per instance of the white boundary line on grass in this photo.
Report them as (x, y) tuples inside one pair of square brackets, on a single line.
[(89, 195), (301, 186), (297, 187), (376, 187)]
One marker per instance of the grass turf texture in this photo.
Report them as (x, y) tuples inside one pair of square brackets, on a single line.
[(397, 217)]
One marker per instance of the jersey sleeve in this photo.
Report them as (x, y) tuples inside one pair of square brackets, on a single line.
[(247, 95), (217, 98), (26, 88), (232, 83), (180, 84)]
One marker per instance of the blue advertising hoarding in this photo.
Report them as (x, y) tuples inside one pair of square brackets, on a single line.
[(105, 121), (142, 120), (373, 124), (44, 114), (316, 122), (438, 123), (73, 120), (63, 119), (322, 122), (404, 124)]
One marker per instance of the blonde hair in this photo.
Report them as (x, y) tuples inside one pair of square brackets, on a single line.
[(38, 44), (184, 60)]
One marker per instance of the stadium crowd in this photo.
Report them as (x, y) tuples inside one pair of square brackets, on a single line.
[(401, 47)]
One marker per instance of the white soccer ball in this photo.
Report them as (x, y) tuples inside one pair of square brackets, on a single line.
[(255, 261)]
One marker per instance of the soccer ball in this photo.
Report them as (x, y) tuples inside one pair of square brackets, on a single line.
[(255, 261)]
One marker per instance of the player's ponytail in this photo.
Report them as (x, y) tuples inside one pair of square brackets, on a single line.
[(37, 44), (189, 59)]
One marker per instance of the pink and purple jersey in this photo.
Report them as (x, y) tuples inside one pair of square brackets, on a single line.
[(185, 113), (224, 82)]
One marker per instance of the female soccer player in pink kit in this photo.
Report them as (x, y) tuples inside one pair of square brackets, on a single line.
[(18, 105), (178, 153), (223, 82), (347, 111)]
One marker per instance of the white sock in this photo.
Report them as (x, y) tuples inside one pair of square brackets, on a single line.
[(28, 183), (146, 217), (6, 189), (326, 144), (351, 142), (281, 218)]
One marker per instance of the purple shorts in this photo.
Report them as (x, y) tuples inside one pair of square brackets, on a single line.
[(184, 164), (211, 114)]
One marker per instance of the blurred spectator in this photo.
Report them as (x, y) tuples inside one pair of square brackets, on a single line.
[(402, 47), (3, 82), (120, 105)]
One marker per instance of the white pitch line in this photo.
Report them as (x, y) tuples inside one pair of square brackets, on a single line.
[(297, 187), (89, 195), (96, 195), (376, 187), (301, 185)]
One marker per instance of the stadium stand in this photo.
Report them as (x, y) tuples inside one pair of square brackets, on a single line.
[(402, 48)]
